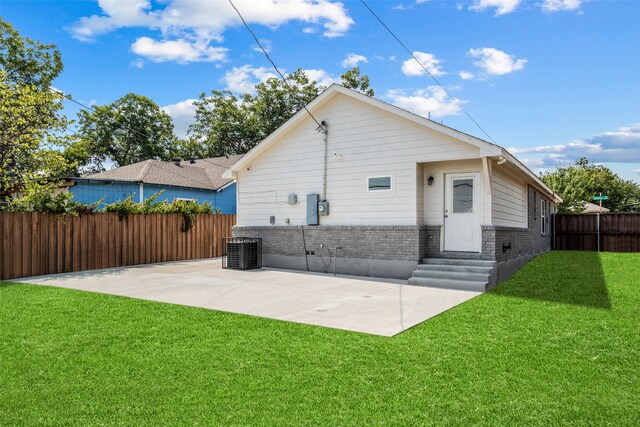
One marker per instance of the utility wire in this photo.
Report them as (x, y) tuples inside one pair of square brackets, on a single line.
[(90, 108), (424, 68), (68, 97), (275, 67)]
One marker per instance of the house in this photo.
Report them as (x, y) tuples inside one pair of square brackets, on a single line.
[(593, 208), (384, 192), (199, 180)]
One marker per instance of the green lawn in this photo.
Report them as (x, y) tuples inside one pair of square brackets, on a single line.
[(559, 343)]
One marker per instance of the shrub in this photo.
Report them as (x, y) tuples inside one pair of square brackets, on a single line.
[(49, 198)]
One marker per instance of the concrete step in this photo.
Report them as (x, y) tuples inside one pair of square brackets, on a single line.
[(466, 262), (454, 275), (465, 285), (456, 268)]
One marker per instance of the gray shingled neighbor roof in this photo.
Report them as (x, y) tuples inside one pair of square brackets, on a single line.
[(204, 173)]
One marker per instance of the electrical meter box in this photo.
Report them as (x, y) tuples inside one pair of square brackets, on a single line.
[(323, 208)]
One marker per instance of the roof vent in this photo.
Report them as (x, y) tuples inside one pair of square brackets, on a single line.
[(176, 161), (192, 159)]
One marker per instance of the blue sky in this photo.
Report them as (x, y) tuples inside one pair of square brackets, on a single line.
[(552, 80)]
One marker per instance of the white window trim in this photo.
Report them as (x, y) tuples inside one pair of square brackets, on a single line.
[(185, 199), (543, 217), (369, 190)]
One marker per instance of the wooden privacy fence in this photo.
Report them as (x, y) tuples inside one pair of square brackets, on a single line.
[(619, 232), (37, 243)]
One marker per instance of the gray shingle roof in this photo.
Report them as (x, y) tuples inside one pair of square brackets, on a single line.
[(204, 173)]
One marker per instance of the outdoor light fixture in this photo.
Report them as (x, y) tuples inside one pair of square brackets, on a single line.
[(501, 160), (430, 180)]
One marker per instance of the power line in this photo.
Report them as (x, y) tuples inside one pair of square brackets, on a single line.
[(320, 126), (93, 109), (424, 68), (70, 98)]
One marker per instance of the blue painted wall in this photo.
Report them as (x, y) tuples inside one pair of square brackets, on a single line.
[(90, 192)]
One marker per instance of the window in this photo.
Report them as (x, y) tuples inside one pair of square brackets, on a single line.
[(543, 217), (184, 199), (379, 183), (462, 195)]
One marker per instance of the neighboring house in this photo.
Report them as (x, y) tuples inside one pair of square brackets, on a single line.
[(399, 188), (593, 208), (199, 180)]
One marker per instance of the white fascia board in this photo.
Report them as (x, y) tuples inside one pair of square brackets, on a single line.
[(283, 129), (226, 185), (486, 147), (532, 175)]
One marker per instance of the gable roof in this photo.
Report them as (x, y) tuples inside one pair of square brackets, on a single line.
[(487, 149), (204, 173)]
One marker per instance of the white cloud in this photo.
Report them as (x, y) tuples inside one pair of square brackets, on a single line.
[(180, 50), (182, 114), (496, 62), (502, 7), (466, 75), (411, 68), (208, 19), (321, 77), (559, 5), (430, 101), (138, 63), (116, 14), (353, 59), (621, 145), (244, 79)]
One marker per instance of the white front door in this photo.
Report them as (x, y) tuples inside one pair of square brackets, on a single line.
[(462, 213)]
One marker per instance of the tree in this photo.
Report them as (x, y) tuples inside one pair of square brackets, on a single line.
[(226, 124), (579, 183), (129, 130), (31, 124), (353, 80), (27, 61)]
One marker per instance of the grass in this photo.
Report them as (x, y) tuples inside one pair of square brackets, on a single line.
[(559, 343)]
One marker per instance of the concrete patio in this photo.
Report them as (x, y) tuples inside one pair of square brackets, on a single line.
[(378, 307)]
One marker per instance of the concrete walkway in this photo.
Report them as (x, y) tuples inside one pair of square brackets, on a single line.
[(355, 304)]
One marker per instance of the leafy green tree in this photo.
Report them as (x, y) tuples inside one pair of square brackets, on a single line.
[(353, 80), (31, 123), (226, 124), (579, 183), (129, 130), (27, 61)]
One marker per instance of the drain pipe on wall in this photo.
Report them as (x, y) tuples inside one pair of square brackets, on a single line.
[(304, 243), (335, 258), (325, 129)]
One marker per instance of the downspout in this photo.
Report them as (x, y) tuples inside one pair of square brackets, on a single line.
[(325, 129), (141, 191)]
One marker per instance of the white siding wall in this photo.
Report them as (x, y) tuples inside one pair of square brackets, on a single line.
[(372, 142), (434, 194), (509, 198)]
